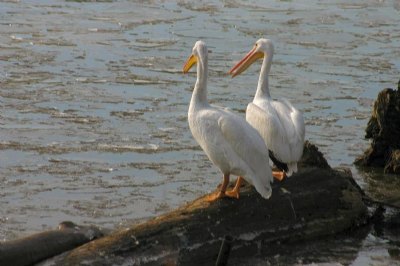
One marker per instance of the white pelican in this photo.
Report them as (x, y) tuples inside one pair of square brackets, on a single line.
[(233, 145), (279, 123)]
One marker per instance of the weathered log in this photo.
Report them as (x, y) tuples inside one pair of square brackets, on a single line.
[(312, 203), (37, 247), (384, 130)]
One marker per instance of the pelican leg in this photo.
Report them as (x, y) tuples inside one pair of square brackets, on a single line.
[(221, 193), (279, 175), (234, 193)]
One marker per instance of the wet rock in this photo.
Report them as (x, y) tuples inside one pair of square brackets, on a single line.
[(386, 223), (384, 130), (35, 248), (312, 157), (313, 203)]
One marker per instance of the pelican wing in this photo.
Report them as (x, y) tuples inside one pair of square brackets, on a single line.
[(270, 127), (293, 124), (250, 147)]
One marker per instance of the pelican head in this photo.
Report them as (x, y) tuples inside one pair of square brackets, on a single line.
[(199, 53), (262, 48)]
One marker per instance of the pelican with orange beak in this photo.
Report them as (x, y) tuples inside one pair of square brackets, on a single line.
[(279, 123), (233, 145)]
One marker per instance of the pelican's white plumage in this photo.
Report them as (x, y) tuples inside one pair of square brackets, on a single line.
[(233, 145), (279, 123)]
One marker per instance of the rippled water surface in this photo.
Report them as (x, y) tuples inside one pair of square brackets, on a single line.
[(93, 104)]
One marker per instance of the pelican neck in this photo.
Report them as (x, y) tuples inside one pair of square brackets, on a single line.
[(199, 96), (263, 84)]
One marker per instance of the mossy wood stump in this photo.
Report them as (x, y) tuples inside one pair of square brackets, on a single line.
[(312, 203), (384, 130)]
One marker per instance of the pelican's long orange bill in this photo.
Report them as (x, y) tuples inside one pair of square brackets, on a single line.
[(246, 62), (189, 63)]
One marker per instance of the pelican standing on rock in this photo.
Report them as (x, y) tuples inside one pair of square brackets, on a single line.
[(233, 145), (279, 123)]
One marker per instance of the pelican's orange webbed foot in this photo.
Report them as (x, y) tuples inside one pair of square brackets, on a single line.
[(215, 196), (278, 175), (220, 194), (234, 193)]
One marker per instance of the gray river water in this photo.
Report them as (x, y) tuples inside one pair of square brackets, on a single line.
[(93, 104)]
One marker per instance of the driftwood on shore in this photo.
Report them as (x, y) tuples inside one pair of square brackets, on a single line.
[(314, 202), (384, 130)]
